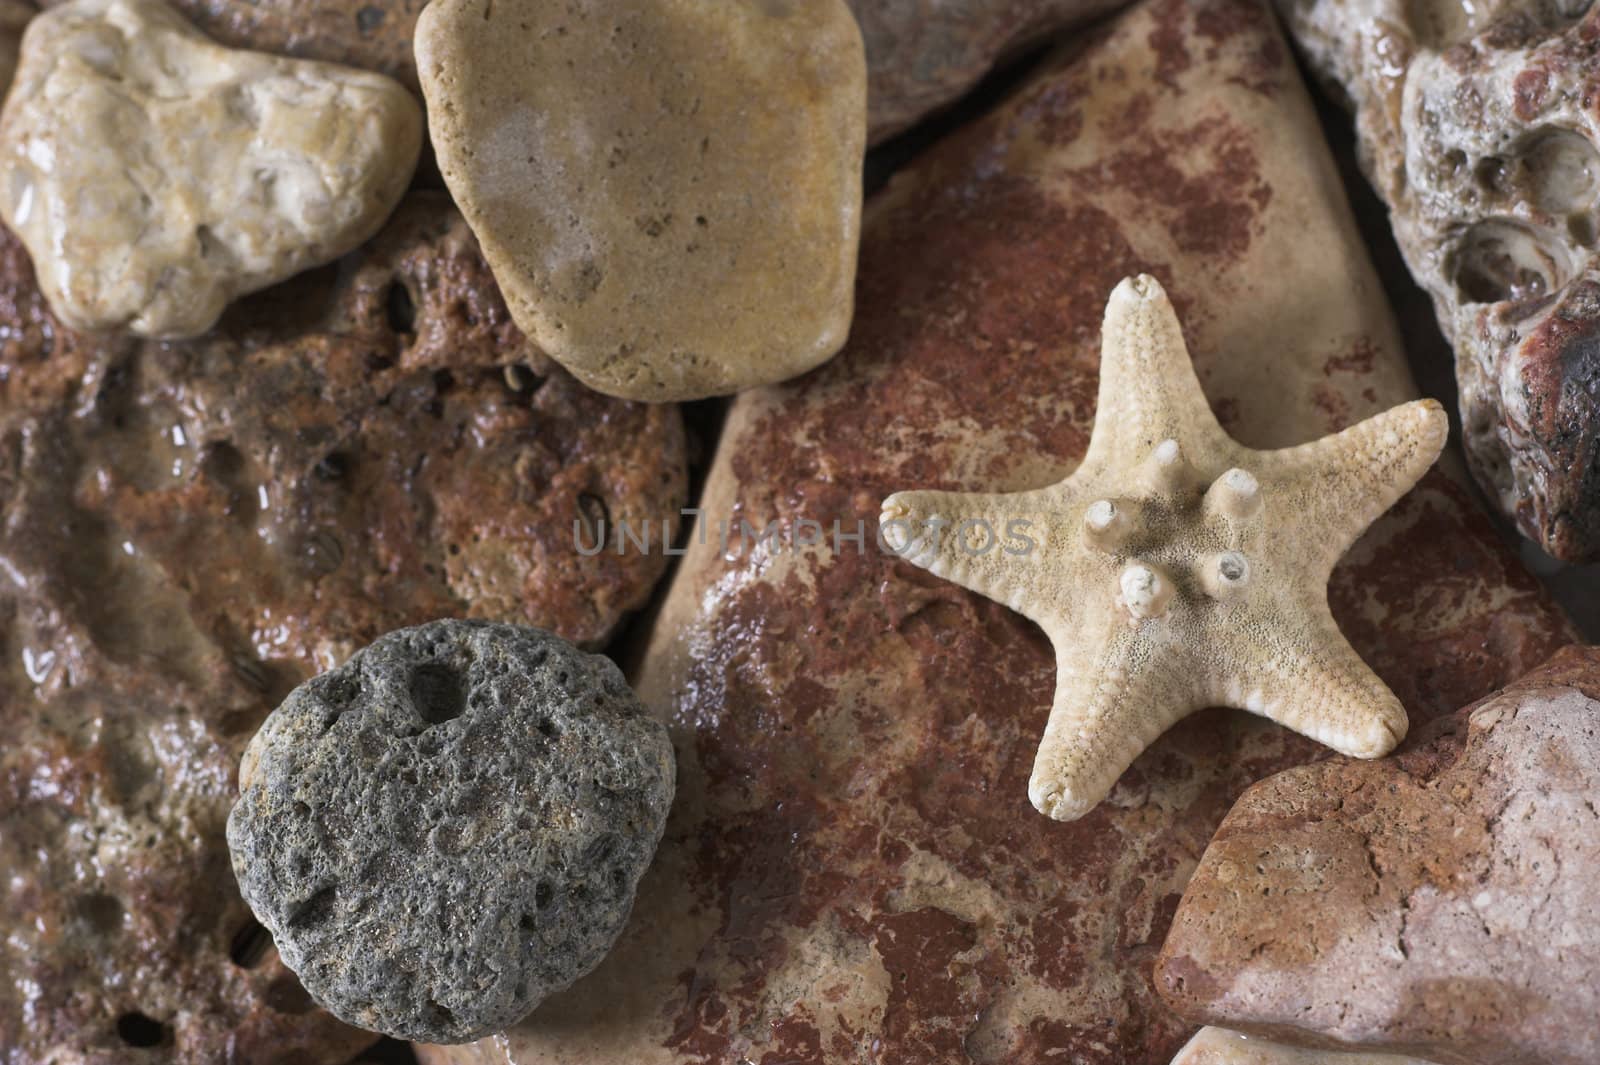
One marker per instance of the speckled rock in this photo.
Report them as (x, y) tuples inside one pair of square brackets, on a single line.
[(129, 227), (1480, 125), (1437, 903), (450, 826), (1218, 1046), (187, 531), (669, 192), (852, 871)]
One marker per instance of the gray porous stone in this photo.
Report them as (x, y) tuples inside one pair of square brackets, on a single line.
[(450, 826)]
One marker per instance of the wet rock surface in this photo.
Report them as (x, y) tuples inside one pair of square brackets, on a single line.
[(1434, 903), (188, 530), (450, 826), (669, 193), (1479, 126), (129, 227), (852, 870)]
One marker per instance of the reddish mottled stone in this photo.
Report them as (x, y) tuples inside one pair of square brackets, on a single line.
[(853, 872), (189, 530), (1437, 903)]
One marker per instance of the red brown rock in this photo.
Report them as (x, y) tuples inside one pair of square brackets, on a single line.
[(852, 871), (189, 530), (1436, 903)]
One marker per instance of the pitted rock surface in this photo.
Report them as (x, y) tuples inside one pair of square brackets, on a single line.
[(187, 531), (1436, 903), (852, 871), (450, 826), (1480, 125), (155, 175), (669, 192)]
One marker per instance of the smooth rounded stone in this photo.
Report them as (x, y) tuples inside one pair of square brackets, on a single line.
[(450, 826), (1438, 903), (1476, 124), (852, 871), (1219, 1046), (190, 529), (669, 191), (129, 225)]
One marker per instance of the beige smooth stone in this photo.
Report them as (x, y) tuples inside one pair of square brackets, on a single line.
[(155, 175), (1219, 1046), (669, 191)]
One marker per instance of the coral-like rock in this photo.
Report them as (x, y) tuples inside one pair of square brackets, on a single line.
[(155, 175), (1480, 126), (450, 826), (669, 192), (187, 531), (1189, 574), (852, 871), (1436, 903)]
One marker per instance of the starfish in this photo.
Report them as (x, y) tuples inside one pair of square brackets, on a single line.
[(1177, 569)]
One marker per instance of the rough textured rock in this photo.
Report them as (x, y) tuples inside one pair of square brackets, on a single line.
[(450, 826), (129, 226), (1218, 1046), (189, 530), (852, 871), (1480, 125), (669, 192), (1436, 903)]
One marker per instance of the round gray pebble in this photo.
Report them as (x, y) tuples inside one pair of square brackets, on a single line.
[(450, 827)]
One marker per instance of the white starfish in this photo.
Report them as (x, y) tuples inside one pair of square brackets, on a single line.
[(1177, 569)]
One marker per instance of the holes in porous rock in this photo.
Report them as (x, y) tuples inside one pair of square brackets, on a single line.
[(526, 922), (543, 895), (101, 912), (315, 910), (442, 1017), (522, 381), (437, 693), (1492, 173), (548, 729), (596, 519), (249, 945), (140, 1030), (334, 466), (399, 309), (1563, 171), (1499, 260)]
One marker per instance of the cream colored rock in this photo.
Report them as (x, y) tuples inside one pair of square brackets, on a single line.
[(155, 175), (1177, 569), (1219, 1046), (669, 191)]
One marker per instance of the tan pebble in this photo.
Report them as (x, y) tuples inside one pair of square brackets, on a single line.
[(669, 192), (155, 175)]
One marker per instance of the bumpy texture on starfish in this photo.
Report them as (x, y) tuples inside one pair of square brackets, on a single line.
[(1176, 568)]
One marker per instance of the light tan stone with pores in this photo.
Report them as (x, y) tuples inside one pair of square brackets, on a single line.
[(155, 175), (670, 191)]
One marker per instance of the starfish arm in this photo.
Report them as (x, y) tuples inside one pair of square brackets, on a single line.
[(995, 544), (1148, 388), (1327, 492), (1311, 680), (1116, 692)]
